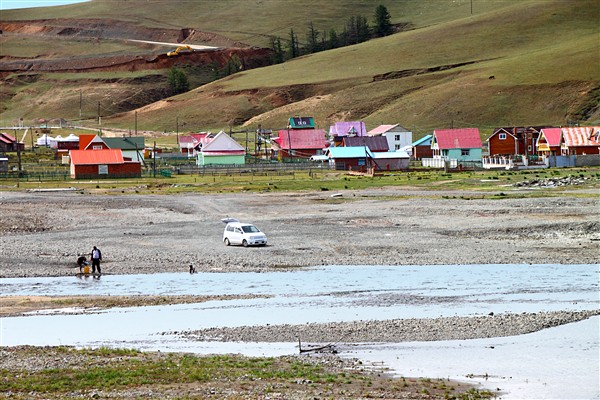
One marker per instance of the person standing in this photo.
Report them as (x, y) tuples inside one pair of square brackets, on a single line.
[(96, 258)]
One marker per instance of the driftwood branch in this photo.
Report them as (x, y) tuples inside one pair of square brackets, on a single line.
[(328, 347)]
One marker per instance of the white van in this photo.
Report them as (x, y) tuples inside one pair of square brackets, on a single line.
[(245, 234)]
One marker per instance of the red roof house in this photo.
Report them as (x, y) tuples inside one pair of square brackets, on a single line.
[(91, 142), (9, 143), (550, 142), (299, 143), (105, 163), (461, 144), (582, 140)]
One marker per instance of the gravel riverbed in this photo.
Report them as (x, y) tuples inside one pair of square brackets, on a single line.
[(43, 233)]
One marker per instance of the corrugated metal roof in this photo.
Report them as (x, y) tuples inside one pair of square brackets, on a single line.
[(581, 136), (126, 143), (223, 143), (381, 129), (7, 136), (96, 157), (425, 140), (390, 155), (349, 152), (463, 138), (301, 139), (374, 143), (357, 128)]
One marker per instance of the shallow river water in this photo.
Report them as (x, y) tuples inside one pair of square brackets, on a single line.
[(557, 363)]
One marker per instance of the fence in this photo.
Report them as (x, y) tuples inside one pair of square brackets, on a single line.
[(261, 168)]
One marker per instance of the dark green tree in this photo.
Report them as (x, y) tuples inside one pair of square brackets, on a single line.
[(312, 39), (334, 40), (383, 25), (278, 56), (363, 30), (293, 47), (178, 81)]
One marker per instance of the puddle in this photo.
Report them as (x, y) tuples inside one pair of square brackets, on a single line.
[(345, 293)]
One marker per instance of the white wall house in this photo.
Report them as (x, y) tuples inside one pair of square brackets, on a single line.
[(397, 136)]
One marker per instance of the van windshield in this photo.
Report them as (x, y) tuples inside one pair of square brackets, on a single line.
[(250, 229)]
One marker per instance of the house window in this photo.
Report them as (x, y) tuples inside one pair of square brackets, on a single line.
[(464, 152), (96, 147), (292, 152), (398, 147), (397, 138), (103, 169), (529, 148), (502, 136)]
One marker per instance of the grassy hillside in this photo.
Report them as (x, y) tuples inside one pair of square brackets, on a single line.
[(254, 21), (508, 62), (531, 63)]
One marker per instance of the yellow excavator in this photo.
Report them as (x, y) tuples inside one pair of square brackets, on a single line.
[(177, 50)]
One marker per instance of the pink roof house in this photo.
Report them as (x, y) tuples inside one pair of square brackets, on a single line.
[(299, 143), (550, 142), (462, 144)]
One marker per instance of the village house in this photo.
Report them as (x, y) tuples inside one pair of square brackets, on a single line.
[(362, 159), (298, 143), (398, 138), (91, 142), (102, 163), (550, 142), (341, 130), (10, 143), (422, 148), (191, 144), (581, 140), (512, 141), (221, 149), (350, 158), (132, 147), (462, 144)]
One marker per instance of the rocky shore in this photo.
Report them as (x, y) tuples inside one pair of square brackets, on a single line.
[(396, 330)]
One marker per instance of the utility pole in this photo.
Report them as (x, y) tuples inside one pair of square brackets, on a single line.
[(80, 102), (98, 113), (154, 159), (177, 130)]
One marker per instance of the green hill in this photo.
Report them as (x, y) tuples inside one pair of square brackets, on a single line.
[(508, 63)]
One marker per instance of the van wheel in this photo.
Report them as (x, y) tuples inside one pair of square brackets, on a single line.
[(226, 241), (245, 243)]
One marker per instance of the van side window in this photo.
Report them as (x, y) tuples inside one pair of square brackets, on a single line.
[(229, 228)]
